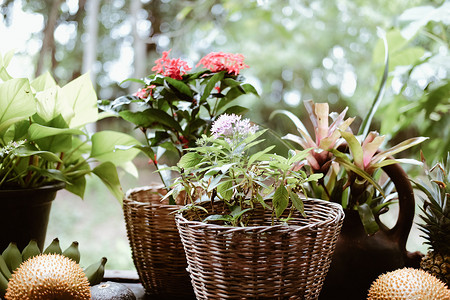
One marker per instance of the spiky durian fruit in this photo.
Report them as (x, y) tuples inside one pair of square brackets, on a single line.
[(406, 284), (436, 218), (48, 276)]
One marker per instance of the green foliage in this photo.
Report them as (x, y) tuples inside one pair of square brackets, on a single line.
[(355, 170), (436, 208), (174, 113), (43, 139), (420, 91), (226, 168)]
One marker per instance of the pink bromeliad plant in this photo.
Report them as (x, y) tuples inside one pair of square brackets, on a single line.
[(176, 105), (349, 163)]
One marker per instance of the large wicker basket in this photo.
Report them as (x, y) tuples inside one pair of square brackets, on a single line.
[(155, 244), (264, 262)]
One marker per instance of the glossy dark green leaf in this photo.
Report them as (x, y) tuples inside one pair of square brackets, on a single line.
[(150, 118), (238, 110), (211, 84), (180, 87), (368, 219)]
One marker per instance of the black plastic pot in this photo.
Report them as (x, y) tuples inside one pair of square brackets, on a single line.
[(24, 214)]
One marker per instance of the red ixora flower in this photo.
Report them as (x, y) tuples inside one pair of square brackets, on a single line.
[(174, 68), (145, 92), (219, 61)]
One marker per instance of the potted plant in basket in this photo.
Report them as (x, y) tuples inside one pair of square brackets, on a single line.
[(365, 181), (244, 214), (173, 108), (44, 147)]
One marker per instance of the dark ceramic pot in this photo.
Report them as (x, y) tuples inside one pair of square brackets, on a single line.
[(359, 259), (24, 214)]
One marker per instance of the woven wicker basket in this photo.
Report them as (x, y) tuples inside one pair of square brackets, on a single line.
[(264, 262), (155, 244)]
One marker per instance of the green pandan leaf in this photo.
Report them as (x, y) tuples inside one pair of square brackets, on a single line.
[(107, 172), (280, 200), (189, 160), (368, 219), (79, 95), (16, 102), (105, 147), (211, 84)]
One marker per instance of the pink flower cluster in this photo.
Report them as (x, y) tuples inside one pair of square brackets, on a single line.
[(174, 68), (231, 126), (145, 92), (214, 61), (219, 61)]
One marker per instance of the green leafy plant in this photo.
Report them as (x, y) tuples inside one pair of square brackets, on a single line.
[(350, 163), (223, 168), (43, 135), (174, 107), (349, 178)]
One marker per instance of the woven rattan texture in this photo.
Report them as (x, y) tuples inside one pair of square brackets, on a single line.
[(264, 262), (155, 244)]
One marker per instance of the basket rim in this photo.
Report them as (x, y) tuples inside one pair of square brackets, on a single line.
[(150, 186), (339, 216)]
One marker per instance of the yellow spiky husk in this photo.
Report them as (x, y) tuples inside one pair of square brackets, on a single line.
[(408, 284), (48, 276)]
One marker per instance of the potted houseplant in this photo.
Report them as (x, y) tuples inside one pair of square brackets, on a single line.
[(44, 147), (244, 214), (352, 167), (173, 108)]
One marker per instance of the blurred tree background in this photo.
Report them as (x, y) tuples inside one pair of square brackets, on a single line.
[(328, 51)]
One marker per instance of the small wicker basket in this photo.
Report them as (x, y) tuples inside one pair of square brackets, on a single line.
[(263, 262), (155, 243)]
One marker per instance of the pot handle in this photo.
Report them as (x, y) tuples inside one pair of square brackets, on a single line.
[(402, 227)]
